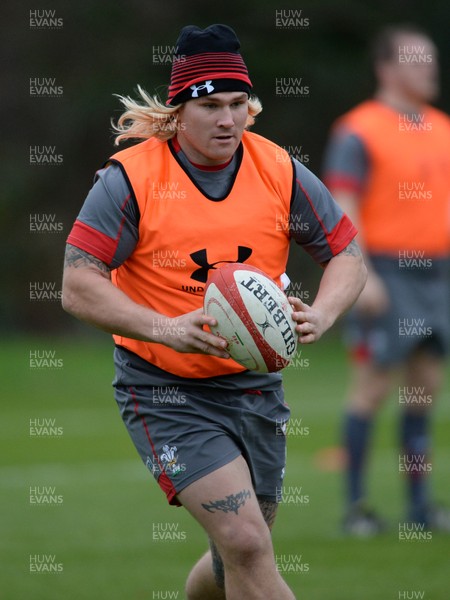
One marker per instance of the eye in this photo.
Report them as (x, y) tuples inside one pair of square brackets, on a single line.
[(238, 103)]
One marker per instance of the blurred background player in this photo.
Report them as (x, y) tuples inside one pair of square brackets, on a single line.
[(387, 164)]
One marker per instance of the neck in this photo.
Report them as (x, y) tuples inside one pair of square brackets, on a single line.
[(399, 102)]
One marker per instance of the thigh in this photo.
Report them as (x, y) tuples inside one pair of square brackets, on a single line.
[(225, 504), (369, 386)]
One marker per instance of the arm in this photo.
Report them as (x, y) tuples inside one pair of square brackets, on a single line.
[(329, 239), (374, 298), (89, 295), (342, 281), (347, 168)]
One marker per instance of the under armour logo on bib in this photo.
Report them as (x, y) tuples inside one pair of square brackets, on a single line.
[(200, 257), (198, 88)]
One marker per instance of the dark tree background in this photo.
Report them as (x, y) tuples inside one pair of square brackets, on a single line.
[(99, 48)]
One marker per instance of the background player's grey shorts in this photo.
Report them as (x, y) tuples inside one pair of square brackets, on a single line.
[(418, 316), (184, 433)]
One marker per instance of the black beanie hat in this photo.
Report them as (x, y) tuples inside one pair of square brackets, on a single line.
[(208, 56)]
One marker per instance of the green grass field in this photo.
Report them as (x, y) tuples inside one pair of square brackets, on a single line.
[(96, 539)]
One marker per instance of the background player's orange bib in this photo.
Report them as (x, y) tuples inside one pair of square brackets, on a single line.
[(405, 204)]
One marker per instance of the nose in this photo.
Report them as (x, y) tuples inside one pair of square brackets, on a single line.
[(225, 118)]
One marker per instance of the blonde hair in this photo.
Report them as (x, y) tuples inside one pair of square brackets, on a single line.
[(155, 119)]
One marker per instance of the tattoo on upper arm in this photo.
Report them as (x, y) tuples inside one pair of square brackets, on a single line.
[(351, 250), (75, 257), (231, 503)]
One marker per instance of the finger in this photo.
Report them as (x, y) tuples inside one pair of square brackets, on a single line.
[(205, 341), (307, 339), (213, 344), (297, 304), (206, 320), (208, 337), (300, 317), (305, 328), (200, 318), (214, 351)]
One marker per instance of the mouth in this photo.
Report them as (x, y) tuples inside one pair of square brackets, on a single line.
[(224, 137)]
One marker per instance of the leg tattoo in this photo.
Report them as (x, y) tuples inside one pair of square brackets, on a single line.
[(269, 511), (217, 566), (231, 503)]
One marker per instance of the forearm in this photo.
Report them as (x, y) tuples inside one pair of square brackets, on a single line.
[(90, 296), (342, 281)]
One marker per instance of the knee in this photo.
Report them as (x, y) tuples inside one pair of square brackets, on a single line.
[(245, 544), (367, 396)]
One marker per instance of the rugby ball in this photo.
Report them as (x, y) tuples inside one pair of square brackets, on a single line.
[(253, 315)]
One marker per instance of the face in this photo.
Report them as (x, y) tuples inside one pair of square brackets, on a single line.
[(210, 128), (414, 70)]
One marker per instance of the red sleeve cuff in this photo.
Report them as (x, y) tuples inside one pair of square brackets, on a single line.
[(95, 242), (341, 235)]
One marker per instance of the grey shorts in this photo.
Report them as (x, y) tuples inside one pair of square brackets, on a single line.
[(184, 433), (418, 315)]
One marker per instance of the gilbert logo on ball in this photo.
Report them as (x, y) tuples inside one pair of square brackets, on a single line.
[(253, 315)]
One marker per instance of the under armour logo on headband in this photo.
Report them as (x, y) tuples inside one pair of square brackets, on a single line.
[(198, 88)]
